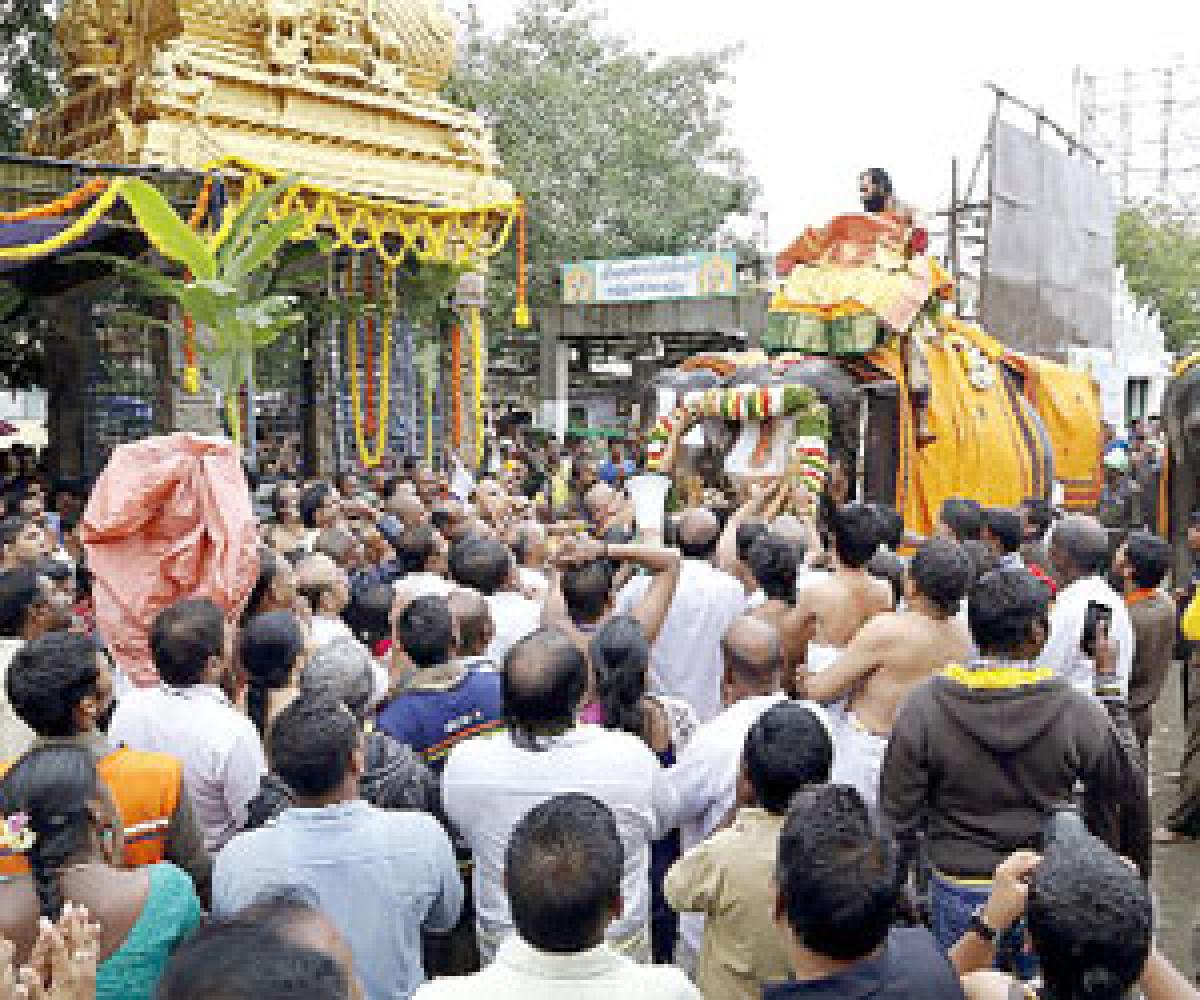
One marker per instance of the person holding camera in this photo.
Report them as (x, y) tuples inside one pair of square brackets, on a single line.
[(980, 756), (1059, 895)]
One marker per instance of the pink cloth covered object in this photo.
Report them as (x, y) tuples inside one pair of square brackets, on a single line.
[(169, 518)]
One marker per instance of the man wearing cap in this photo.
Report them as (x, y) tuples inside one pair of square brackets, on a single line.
[(1117, 508)]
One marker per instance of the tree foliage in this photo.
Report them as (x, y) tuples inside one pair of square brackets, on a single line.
[(1161, 257), (28, 65), (618, 152)]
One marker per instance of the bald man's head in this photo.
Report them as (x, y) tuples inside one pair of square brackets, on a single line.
[(753, 656), (699, 532), (315, 569), (324, 584), (545, 678), (1079, 547), (407, 508), (473, 621), (599, 501)]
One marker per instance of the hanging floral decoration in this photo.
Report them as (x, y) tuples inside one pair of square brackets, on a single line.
[(372, 423), (476, 318), (456, 386), (521, 315), (191, 370), (740, 403), (69, 203)]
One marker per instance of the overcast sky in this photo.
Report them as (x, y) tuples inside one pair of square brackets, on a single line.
[(826, 87)]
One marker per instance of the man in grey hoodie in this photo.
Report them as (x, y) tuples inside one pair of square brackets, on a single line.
[(983, 754)]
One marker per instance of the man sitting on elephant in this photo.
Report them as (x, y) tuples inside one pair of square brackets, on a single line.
[(879, 198)]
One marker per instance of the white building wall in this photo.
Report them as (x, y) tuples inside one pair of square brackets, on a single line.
[(1138, 353)]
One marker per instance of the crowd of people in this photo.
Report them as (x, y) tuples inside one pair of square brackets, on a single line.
[(491, 742)]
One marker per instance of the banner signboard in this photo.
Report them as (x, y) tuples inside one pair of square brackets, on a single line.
[(650, 279)]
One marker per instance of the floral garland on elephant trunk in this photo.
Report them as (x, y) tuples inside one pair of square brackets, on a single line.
[(788, 417)]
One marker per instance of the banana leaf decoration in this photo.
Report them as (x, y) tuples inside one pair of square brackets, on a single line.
[(235, 288)]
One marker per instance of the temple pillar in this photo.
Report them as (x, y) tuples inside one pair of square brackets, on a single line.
[(65, 377)]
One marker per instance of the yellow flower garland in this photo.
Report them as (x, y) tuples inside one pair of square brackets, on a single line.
[(391, 229), (76, 231)]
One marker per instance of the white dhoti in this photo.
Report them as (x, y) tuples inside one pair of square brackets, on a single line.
[(821, 657), (858, 756)]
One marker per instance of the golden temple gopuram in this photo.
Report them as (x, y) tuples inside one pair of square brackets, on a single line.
[(343, 92)]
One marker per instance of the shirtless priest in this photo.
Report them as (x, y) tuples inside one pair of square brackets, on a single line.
[(839, 604), (891, 655)]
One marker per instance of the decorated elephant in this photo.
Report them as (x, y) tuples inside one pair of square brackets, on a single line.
[(992, 442), (756, 419), (914, 404)]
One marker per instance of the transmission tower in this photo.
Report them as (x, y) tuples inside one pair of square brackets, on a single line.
[(1144, 124)]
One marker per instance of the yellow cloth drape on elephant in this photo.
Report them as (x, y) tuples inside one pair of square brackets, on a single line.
[(1069, 404), (980, 449)]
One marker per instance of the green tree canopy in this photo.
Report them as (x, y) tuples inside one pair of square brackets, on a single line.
[(28, 65), (1161, 257), (617, 151)]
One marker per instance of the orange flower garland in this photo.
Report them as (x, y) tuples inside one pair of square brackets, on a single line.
[(68, 203), (73, 201), (191, 370), (456, 386)]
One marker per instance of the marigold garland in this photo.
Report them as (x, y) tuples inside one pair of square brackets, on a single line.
[(368, 283), (191, 370), (744, 403), (521, 315), (72, 233), (371, 460), (476, 318), (456, 386), (70, 202), (392, 229)]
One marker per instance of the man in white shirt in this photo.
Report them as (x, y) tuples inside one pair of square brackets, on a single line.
[(487, 566), (490, 783), (326, 587), (189, 716), (562, 875), (424, 551), (704, 779), (685, 660), (1079, 554), (29, 608)]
